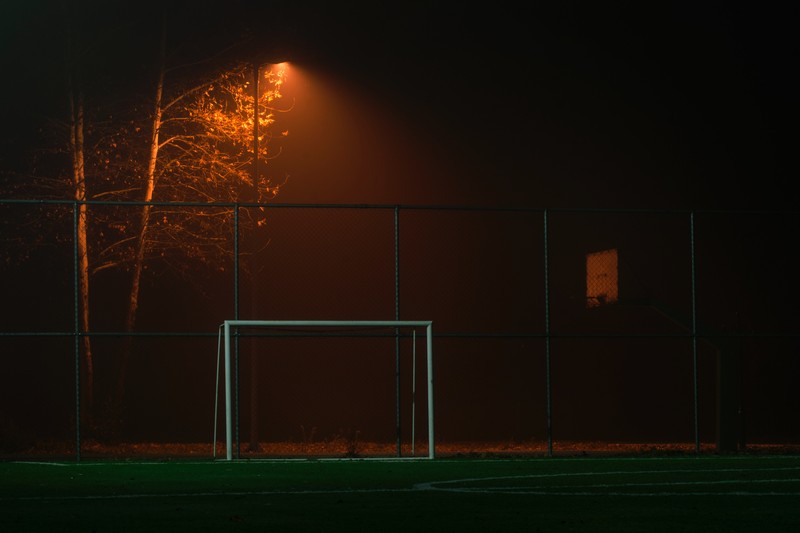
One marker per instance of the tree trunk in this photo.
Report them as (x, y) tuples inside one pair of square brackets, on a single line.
[(144, 223), (75, 101)]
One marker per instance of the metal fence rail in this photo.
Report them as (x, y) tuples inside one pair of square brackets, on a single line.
[(551, 325)]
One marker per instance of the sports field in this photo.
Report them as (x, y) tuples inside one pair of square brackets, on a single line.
[(648, 494)]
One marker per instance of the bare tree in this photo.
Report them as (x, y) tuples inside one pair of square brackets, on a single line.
[(199, 150), (189, 140), (57, 171), (76, 149)]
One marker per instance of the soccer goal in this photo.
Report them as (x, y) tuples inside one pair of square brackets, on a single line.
[(230, 329)]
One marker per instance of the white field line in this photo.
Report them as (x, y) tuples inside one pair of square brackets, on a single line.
[(592, 489), (40, 463), (600, 489), (170, 495)]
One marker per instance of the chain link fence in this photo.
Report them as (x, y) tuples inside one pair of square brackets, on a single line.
[(555, 330)]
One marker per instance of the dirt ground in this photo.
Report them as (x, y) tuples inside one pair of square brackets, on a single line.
[(356, 449)]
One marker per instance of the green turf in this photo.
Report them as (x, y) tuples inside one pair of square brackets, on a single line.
[(705, 493)]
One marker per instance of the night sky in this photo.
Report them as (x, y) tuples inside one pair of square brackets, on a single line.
[(557, 104)]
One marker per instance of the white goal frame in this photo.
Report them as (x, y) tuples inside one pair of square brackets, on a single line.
[(228, 324)]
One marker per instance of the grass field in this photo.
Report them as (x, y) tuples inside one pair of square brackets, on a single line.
[(647, 494)]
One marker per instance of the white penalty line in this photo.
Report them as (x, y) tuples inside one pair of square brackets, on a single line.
[(592, 489), (600, 489)]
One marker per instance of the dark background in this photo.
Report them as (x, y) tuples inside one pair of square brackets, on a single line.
[(548, 104), (552, 105)]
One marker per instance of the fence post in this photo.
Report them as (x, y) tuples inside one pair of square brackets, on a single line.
[(547, 344), (397, 331), (76, 336), (236, 315), (694, 338)]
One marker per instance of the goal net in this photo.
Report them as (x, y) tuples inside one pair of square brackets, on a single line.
[(346, 368)]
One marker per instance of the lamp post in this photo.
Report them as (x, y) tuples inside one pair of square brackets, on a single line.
[(254, 414), (255, 246)]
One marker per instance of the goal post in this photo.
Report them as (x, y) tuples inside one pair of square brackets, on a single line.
[(229, 324)]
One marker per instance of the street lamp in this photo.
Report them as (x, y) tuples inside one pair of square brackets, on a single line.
[(254, 414)]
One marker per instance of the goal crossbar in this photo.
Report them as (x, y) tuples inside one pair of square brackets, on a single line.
[(228, 324)]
